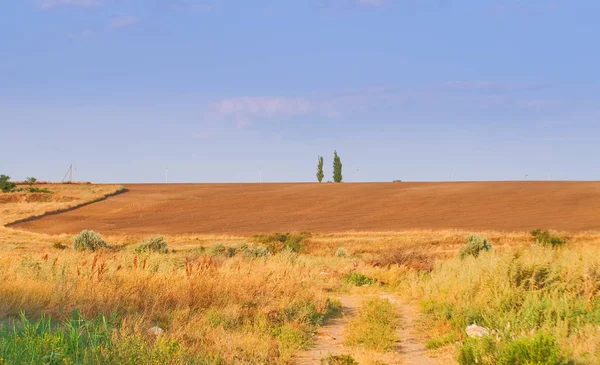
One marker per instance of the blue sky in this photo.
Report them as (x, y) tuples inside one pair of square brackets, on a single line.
[(418, 90)]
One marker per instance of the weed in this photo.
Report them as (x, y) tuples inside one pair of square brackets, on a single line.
[(59, 246), (545, 238), (473, 246), (338, 360), (357, 279), (341, 252), (155, 244), (277, 241), (375, 326), (88, 240)]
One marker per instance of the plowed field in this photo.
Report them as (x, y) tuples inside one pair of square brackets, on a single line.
[(255, 208)]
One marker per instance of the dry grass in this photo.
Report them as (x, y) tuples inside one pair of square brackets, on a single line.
[(261, 310)]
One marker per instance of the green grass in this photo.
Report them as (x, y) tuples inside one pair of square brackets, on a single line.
[(374, 327), (80, 341)]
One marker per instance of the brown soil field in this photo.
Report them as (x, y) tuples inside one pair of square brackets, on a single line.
[(325, 208)]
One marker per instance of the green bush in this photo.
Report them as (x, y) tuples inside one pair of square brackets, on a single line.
[(6, 185), (30, 181), (473, 246), (278, 241), (155, 244), (539, 350), (358, 279), (88, 240), (545, 238), (218, 249), (338, 360), (33, 189), (253, 251), (375, 325)]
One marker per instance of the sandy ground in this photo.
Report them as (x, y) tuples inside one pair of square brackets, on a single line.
[(254, 208)]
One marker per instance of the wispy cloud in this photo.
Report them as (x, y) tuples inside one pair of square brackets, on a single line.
[(371, 2), (243, 110), (123, 21), (50, 4), (486, 87)]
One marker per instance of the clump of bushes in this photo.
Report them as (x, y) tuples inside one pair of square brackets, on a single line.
[(88, 240), (253, 251), (357, 279), (541, 349), (545, 238), (279, 241), (338, 360), (473, 246), (155, 244), (6, 185)]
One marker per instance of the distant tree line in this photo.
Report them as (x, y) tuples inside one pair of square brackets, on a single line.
[(337, 168)]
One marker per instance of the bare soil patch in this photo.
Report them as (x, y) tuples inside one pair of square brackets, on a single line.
[(325, 208)]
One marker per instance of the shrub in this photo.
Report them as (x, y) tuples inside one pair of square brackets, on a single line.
[(30, 181), (254, 252), (358, 279), (155, 244), (218, 249), (473, 246), (545, 238), (88, 240), (338, 360), (6, 185), (341, 252), (539, 350), (277, 241), (33, 189)]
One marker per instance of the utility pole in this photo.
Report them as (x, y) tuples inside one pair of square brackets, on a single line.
[(356, 178)]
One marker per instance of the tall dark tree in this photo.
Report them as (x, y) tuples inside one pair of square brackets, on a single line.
[(5, 184), (320, 173), (337, 168)]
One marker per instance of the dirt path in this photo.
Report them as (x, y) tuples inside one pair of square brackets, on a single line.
[(329, 340)]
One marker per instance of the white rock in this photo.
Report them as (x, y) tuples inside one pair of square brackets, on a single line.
[(477, 331), (156, 331)]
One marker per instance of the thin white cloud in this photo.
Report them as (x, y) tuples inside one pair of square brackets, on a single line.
[(83, 34), (243, 110), (50, 4), (371, 2), (123, 21)]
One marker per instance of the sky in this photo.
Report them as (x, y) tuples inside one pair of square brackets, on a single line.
[(236, 91)]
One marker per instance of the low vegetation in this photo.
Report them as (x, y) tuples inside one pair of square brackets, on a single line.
[(156, 244), (374, 327), (545, 238), (257, 300), (88, 240), (473, 246)]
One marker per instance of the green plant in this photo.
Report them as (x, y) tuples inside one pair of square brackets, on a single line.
[(337, 168), (358, 279), (473, 246), (338, 360), (30, 181), (277, 241), (320, 173), (155, 244), (341, 252), (218, 249), (545, 238), (6, 185), (375, 326), (253, 251), (33, 189), (88, 240), (539, 350)]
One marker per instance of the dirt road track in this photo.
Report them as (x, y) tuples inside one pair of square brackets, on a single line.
[(254, 208)]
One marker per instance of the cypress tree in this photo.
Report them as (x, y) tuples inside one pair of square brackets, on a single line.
[(337, 168), (320, 174)]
